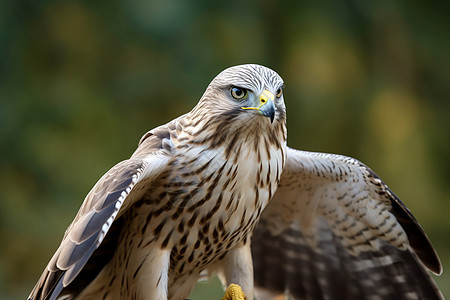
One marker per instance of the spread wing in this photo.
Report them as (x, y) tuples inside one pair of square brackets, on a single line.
[(116, 190), (334, 230)]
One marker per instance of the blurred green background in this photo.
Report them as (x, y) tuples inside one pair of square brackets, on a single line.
[(81, 81)]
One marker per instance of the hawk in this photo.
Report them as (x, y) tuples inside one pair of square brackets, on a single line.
[(217, 191)]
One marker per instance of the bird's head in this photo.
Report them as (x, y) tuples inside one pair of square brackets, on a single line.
[(245, 93), (242, 104)]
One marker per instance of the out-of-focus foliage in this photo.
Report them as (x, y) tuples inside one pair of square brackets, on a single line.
[(81, 81)]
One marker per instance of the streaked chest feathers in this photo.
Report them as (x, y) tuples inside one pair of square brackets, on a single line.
[(215, 198)]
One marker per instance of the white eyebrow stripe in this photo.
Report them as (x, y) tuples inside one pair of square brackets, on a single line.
[(254, 77)]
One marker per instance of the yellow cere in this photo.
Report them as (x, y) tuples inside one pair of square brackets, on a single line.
[(263, 98)]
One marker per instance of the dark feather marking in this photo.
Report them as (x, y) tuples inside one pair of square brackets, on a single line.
[(215, 235), (209, 192), (270, 191), (226, 184), (258, 174), (267, 148), (197, 244), (230, 146), (147, 222), (158, 229), (139, 267), (220, 226), (148, 243), (283, 156), (180, 270), (181, 226), (185, 200), (205, 228), (105, 296), (256, 189), (199, 203), (191, 257), (214, 209), (202, 168), (268, 175), (166, 240), (111, 282), (230, 202), (159, 280), (230, 169), (200, 235), (192, 220), (184, 239)]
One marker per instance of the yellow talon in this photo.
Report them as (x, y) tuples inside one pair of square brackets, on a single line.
[(234, 292)]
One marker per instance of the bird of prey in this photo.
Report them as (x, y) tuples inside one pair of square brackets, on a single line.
[(217, 191)]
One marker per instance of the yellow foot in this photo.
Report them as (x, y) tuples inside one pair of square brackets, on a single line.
[(234, 292)]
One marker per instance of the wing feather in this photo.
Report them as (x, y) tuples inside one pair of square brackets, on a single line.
[(95, 217), (334, 230)]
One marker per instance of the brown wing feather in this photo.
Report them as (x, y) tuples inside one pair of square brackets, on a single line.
[(112, 194), (334, 230), (88, 229)]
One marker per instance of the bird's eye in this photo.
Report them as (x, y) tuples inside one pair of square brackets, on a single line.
[(238, 93), (279, 92)]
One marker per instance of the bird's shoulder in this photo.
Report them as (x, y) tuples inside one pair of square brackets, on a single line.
[(159, 138)]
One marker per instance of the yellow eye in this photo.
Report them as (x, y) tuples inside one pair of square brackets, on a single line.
[(238, 93), (279, 93)]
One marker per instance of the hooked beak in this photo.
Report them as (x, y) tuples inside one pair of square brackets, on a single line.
[(266, 105)]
